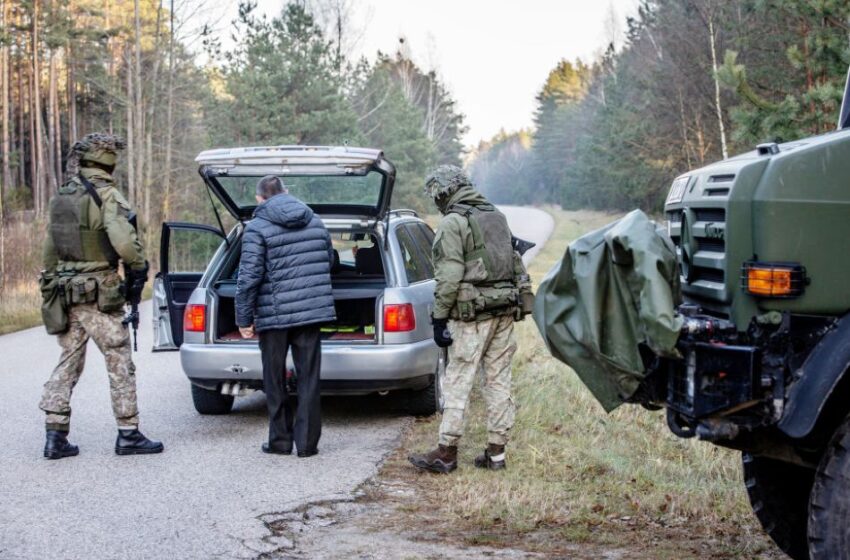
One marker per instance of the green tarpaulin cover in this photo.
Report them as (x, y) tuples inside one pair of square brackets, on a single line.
[(615, 288)]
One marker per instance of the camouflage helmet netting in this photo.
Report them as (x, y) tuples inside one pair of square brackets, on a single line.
[(445, 180), (95, 142)]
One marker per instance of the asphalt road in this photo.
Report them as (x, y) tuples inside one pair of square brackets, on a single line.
[(204, 496)]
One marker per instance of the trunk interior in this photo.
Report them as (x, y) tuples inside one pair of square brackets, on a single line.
[(358, 282)]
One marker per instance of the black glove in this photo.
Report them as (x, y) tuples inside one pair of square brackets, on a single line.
[(134, 283), (442, 335)]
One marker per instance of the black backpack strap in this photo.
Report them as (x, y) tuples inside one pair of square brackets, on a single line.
[(92, 191)]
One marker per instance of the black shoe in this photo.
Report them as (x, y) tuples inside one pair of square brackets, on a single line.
[(493, 458), (308, 452), (134, 442), (57, 446), (275, 451)]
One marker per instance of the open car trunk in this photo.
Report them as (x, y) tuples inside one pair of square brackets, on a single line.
[(358, 286)]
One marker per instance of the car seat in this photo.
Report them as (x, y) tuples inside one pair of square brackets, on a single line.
[(367, 261)]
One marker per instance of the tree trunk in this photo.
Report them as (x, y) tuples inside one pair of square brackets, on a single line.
[(131, 163), (39, 187), (72, 95), (169, 125), (139, 123), (53, 142), (154, 80), (4, 101), (723, 148)]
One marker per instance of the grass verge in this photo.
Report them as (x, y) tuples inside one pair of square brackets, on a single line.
[(578, 476), (20, 307)]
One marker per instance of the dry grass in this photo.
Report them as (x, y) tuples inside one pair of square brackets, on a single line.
[(20, 307), (579, 475)]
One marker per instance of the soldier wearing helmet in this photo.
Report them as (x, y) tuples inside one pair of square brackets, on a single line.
[(476, 304), (90, 229)]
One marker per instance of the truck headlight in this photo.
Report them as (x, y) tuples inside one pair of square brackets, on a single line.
[(773, 280)]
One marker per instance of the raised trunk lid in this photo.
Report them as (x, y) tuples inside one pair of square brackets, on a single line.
[(333, 181)]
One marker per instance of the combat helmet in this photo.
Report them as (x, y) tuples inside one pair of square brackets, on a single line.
[(445, 180), (99, 149)]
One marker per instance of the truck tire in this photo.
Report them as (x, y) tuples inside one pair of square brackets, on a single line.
[(211, 402), (829, 508), (779, 493)]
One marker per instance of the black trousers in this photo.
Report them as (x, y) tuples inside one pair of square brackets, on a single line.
[(286, 425)]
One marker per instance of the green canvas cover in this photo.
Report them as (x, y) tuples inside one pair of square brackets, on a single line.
[(615, 288)]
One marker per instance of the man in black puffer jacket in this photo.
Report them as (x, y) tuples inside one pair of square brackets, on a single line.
[(284, 294)]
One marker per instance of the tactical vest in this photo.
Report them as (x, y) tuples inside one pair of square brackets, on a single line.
[(489, 285), (491, 238), (69, 227)]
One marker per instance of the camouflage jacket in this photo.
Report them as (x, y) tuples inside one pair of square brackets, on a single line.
[(112, 218), (452, 242)]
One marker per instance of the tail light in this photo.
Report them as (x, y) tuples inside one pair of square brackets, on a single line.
[(195, 318), (399, 317)]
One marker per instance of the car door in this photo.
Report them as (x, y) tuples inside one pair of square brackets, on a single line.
[(185, 253)]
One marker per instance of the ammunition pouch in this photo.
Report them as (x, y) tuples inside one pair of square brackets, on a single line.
[(110, 293), (104, 289), (54, 310), (485, 301)]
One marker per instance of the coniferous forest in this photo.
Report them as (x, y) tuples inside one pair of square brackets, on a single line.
[(690, 82), (694, 81), (138, 68)]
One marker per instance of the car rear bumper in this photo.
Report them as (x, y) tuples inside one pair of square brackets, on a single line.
[(345, 368)]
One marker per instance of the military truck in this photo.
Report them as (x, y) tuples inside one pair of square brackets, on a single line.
[(763, 245), (761, 357)]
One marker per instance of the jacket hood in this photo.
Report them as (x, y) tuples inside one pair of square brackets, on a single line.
[(285, 210), (465, 195)]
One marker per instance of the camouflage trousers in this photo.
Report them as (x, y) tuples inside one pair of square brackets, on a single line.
[(113, 340), (486, 345)]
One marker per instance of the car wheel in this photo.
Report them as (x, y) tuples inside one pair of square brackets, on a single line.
[(429, 400), (779, 494), (829, 508), (211, 402)]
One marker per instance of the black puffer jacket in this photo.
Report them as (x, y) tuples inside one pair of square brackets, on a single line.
[(284, 273)]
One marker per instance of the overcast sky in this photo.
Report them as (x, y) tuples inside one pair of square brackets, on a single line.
[(493, 55)]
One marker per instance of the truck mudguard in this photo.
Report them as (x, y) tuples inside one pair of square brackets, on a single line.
[(818, 379)]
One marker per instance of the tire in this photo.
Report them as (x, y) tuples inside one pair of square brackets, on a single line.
[(211, 402), (829, 508), (429, 400), (779, 494)]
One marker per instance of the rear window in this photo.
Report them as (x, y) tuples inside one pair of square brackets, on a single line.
[(355, 190)]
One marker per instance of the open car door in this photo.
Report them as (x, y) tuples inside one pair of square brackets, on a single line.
[(185, 251)]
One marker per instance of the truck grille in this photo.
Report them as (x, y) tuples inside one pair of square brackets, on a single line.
[(706, 278)]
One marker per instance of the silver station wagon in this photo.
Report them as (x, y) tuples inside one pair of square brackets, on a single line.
[(382, 280)]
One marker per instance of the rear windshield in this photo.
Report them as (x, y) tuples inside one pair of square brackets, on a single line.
[(356, 190)]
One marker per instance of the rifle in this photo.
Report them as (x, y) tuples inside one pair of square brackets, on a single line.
[(132, 317), (521, 245)]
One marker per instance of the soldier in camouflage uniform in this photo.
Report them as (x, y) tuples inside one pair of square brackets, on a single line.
[(474, 311), (90, 229)]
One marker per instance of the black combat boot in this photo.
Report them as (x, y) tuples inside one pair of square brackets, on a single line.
[(442, 460), (134, 442), (57, 445), (493, 458)]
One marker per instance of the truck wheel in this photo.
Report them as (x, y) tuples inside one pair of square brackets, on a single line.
[(779, 494), (429, 400), (829, 509), (211, 402)]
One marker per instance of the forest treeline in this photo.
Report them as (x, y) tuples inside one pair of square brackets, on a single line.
[(131, 67), (694, 82)]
